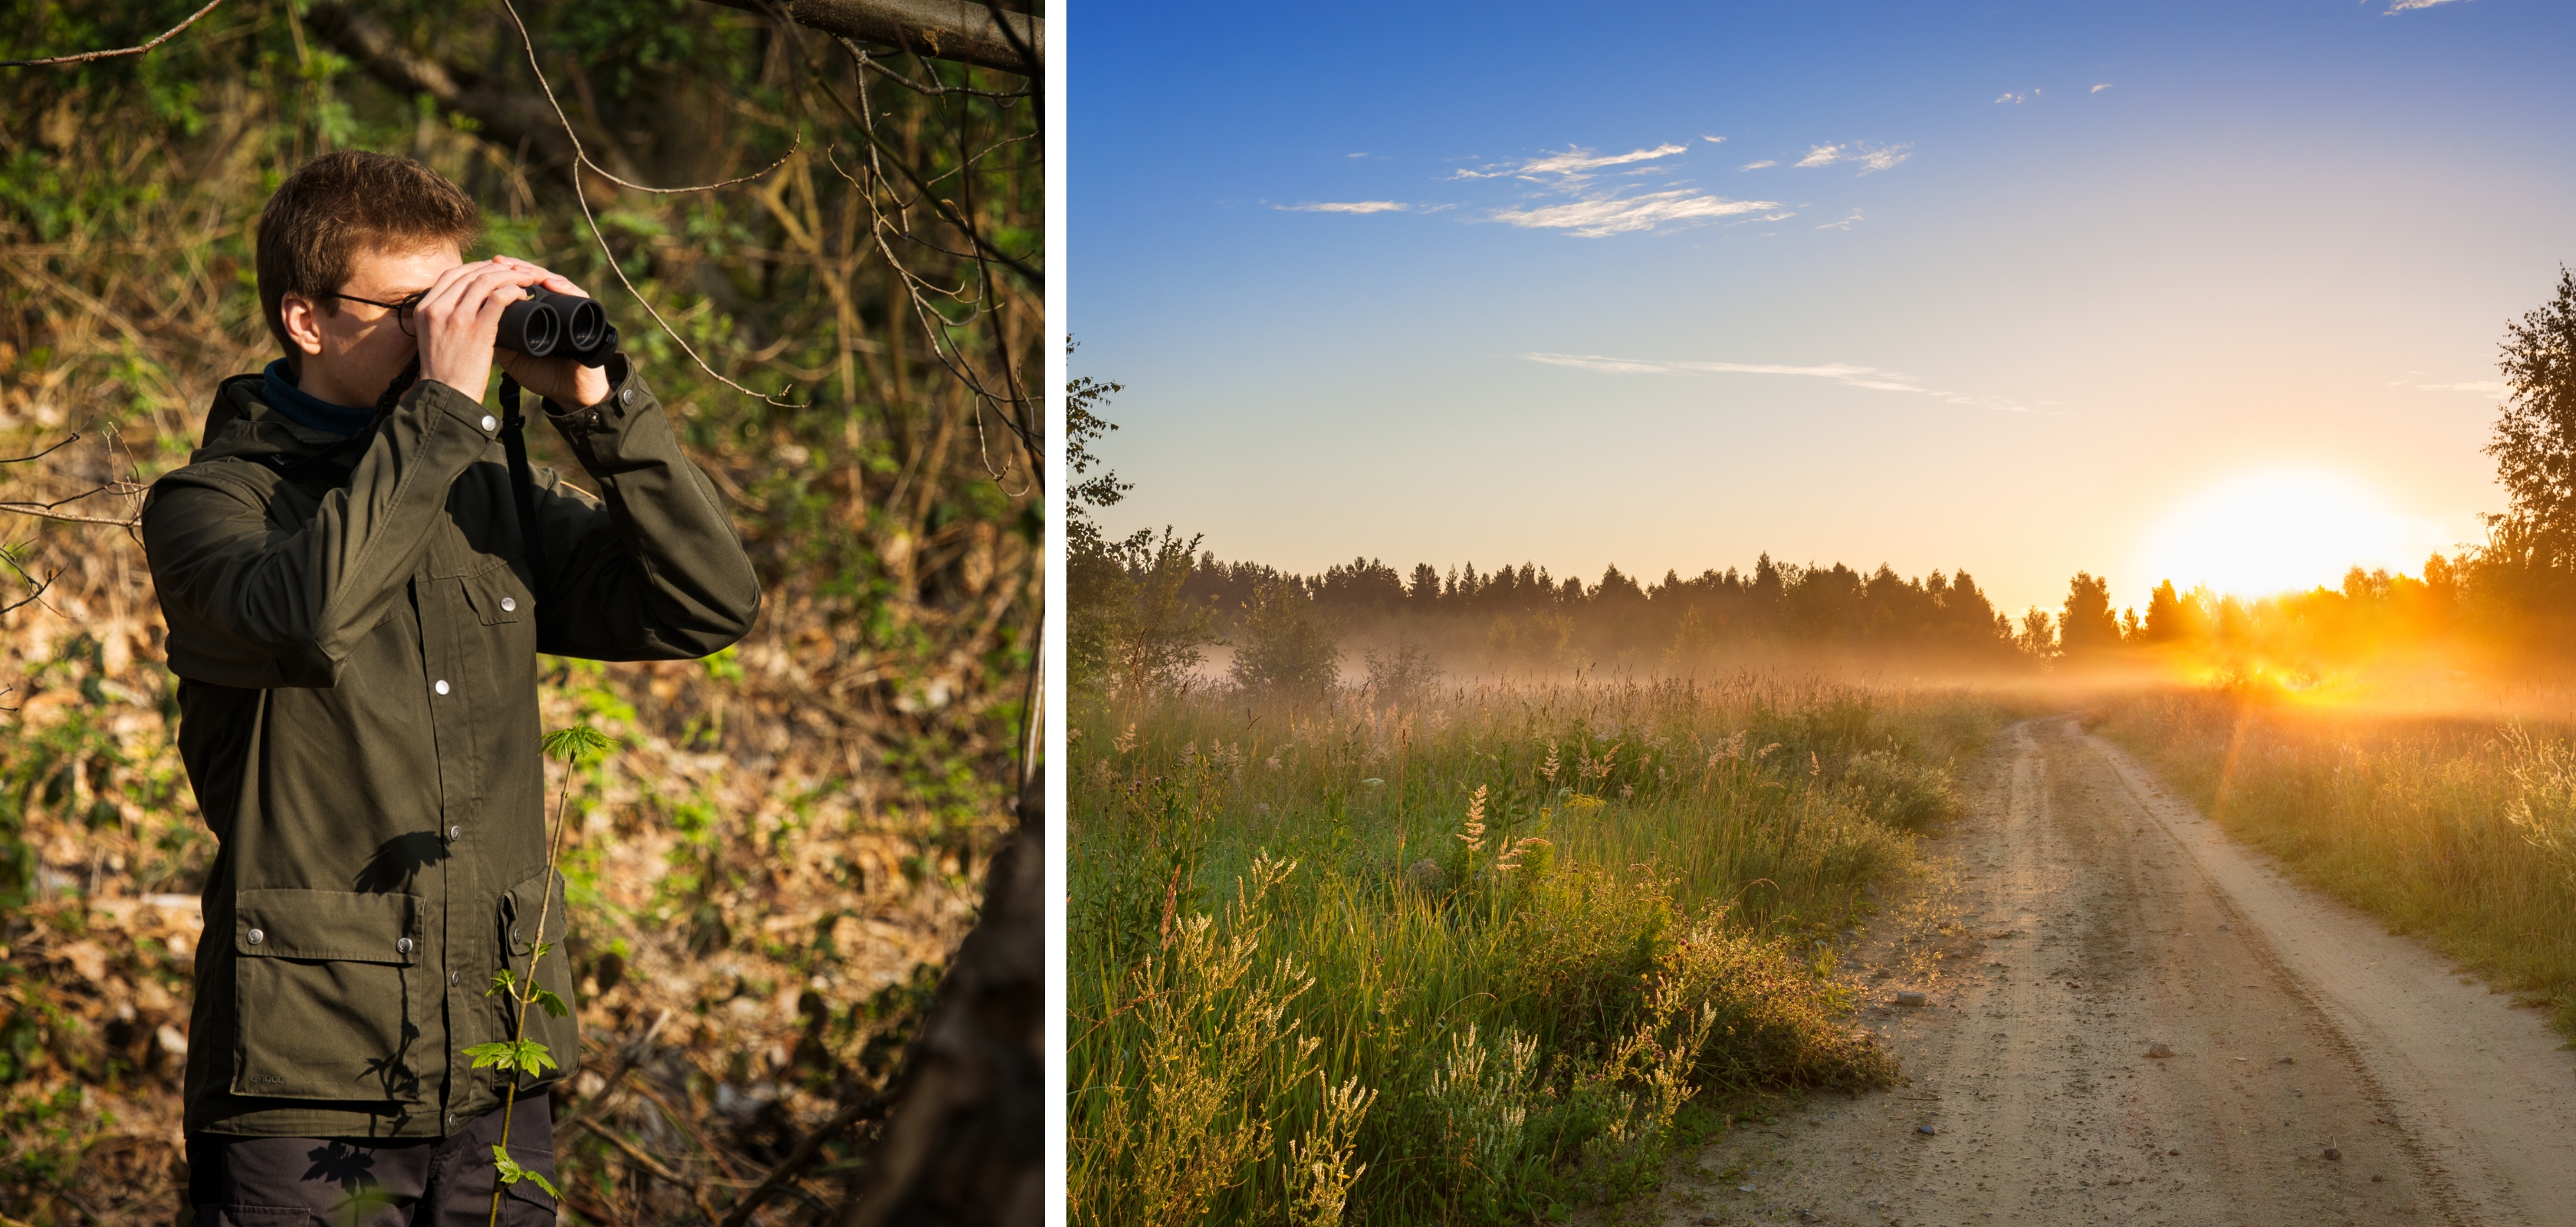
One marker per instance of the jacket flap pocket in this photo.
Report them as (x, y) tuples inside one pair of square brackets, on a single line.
[(498, 595), (328, 924), (521, 907)]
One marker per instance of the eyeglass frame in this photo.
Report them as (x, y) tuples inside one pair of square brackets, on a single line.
[(402, 309)]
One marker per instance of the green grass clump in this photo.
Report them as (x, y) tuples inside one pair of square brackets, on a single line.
[(1468, 958), (2460, 831)]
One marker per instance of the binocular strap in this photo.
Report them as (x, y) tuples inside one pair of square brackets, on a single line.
[(523, 488)]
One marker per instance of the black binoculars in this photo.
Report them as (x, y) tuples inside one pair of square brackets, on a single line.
[(546, 323)]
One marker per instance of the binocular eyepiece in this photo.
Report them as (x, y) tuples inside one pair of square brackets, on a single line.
[(546, 323)]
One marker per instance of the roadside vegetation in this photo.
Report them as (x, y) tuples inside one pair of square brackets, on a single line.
[(2459, 831), (1466, 952)]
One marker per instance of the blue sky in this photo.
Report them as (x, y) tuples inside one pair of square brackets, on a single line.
[(2003, 287)]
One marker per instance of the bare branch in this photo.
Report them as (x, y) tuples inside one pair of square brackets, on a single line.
[(507, 116), (969, 33), (87, 56), (808, 1150), (584, 197), (67, 442)]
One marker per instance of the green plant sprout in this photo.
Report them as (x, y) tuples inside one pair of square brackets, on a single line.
[(576, 746)]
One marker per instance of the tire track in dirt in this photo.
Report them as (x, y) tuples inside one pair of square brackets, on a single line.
[(2079, 915)]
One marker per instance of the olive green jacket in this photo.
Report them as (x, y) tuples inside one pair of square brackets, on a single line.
[(356, 644)]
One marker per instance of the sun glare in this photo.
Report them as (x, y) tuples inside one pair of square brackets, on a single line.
[(2270, 532)]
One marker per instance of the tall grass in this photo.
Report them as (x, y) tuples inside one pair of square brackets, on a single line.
[(1466, 957), (2462, 831)]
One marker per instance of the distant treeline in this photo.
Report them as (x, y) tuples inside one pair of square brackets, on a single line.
[(1524, 615), (1144, 606)]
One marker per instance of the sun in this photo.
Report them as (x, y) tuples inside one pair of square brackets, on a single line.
[(2262, 533)]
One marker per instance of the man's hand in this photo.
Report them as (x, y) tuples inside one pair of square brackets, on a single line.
[(460, 321), (561, 380)]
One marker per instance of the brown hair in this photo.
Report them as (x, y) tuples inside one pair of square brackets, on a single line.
[(340, 204)]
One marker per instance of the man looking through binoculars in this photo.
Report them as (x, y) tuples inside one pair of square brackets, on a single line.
[(358, 569)]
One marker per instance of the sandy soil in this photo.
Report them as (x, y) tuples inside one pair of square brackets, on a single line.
[(2080, 916)]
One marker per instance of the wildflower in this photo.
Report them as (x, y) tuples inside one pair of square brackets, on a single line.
[(1511, 857), (1472, 832), (1126, 741), (1272, 762), (1547, 770)]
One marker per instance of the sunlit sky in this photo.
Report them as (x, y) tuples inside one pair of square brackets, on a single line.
[(2202, 291)]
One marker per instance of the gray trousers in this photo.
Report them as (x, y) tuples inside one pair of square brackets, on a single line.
[(374, 1182)]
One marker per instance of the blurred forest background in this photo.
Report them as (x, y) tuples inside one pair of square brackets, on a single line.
[(792, 839)]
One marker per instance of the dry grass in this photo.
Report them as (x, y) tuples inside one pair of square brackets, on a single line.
[(1468, 958)]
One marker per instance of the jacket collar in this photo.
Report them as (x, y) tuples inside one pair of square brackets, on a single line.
[(241, 424)]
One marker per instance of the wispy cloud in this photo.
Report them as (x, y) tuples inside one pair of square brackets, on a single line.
[(1871, 159), (2106, 85), (2403, 5), (1844, 224), (1348, 206), (1597, 218), (1572, 163), (2486, 387), (2013, 98), (1763, 164), (1869, 377)]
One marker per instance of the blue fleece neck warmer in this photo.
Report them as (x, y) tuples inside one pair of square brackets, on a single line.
[(310, 411)]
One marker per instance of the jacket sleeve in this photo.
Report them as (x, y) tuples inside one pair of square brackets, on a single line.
[(255, 605), (652, 569)]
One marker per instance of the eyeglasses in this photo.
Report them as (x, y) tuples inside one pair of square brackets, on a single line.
[(401, 308)]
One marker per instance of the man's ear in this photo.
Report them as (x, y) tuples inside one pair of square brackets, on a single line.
[(302, 317)]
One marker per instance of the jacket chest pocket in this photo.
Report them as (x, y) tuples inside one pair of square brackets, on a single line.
[(496, 596), (325, 983)]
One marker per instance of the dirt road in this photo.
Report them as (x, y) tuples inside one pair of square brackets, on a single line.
[(2090, 915)]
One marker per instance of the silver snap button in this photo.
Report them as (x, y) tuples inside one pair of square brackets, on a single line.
[(455, 833), (256, 937), (440, 685), (514, 933), (402, 946), (626, 397), (509, 604), (488, 423), (451, 1120), (454, 977)]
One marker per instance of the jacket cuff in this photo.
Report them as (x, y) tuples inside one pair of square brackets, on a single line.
[(598, 424)]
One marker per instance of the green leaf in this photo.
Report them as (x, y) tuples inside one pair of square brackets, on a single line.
[(502, 981), (550, 1003), (578, 743), (524, 1056), (512, 1171)]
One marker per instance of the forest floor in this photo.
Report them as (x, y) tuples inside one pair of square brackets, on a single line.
[(2081, 919)]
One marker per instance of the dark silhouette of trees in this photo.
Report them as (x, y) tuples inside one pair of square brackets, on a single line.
[(2087, 624)]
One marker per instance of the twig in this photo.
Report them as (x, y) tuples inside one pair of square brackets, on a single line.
[(917, 87), (43, 511), (529, 42), (587, 1117), (803, 1156), (87, 56), (75, 438)]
